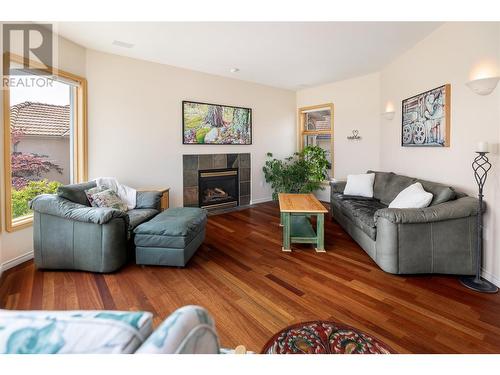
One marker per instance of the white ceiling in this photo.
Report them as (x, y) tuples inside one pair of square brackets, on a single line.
[(290, 55)]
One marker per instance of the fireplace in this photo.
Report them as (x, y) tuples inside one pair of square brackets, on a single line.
[(218, 188)]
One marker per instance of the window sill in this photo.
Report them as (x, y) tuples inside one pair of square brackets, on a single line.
[(20, 223)]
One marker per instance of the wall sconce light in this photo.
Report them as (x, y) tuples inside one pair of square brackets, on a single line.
[(389, 115), (483, 86)]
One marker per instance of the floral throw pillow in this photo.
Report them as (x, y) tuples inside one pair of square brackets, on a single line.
[(109, 198), (91, 192)]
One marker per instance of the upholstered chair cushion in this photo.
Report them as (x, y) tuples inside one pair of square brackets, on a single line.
[(76, 192)]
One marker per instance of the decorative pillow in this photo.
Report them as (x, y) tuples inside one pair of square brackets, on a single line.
[(414, 196), (91, 192), (360, 185), (109, 198)]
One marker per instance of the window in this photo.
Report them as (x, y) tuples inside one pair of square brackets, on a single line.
[(45, 136), (316, 129)]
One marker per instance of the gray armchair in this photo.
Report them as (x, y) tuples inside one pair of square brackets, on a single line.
[(69, 234)]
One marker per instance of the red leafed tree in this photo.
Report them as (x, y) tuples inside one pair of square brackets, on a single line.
[(28, 167)]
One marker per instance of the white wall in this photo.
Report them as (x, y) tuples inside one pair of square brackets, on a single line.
[(135, 121), (17, 246), (356, 106), (452, 54)]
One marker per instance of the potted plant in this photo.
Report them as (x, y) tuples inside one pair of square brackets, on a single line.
[(303, 172)]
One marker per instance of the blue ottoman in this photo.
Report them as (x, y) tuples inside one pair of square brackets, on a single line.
[(171, 238)]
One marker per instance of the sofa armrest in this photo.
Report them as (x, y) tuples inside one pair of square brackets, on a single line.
[(188, 330), (456, 209), (58, 206), (338, 186), (148, 199)]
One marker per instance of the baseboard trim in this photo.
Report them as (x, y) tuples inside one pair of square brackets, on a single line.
[(490, 277), (261, 200), (16, 261)]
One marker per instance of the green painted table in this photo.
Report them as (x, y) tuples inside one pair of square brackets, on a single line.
[(295, 211)]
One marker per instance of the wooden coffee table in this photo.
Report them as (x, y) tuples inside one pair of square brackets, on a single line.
[(296, 210)]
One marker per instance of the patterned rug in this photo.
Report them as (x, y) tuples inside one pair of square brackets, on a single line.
[(323, 337)]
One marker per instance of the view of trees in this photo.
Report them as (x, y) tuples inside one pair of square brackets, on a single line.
[(27, 170)]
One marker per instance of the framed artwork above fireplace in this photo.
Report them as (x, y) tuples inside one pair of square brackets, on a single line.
[(214, 124)]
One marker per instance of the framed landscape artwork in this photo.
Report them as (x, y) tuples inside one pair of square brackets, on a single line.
[(426, 119), (213, 124)]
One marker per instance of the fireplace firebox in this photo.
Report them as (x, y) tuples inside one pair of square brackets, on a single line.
[(218, 188)]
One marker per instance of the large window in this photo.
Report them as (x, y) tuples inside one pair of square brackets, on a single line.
[(45, 136), (316, 129)]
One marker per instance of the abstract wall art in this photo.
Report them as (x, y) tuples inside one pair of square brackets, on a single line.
[(426, 119)]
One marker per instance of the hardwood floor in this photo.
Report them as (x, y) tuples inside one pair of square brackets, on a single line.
[(253, 290)]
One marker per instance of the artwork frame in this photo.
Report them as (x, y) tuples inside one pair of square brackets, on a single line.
[(194, 120), (426, 118)]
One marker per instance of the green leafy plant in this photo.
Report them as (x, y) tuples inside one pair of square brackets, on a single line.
[(21, 197), (302, 172)]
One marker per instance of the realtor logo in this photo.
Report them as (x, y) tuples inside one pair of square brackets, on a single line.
[(33, 42)]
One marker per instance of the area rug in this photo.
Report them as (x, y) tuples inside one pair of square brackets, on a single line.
[(324, 337)]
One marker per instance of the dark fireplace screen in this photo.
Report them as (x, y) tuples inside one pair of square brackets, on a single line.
[(218, 188)]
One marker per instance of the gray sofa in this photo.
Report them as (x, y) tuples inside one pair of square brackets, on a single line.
[(70, 234), (440, 238)]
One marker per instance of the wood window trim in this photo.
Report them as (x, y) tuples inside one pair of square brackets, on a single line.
[(80, 143), (301, 128)]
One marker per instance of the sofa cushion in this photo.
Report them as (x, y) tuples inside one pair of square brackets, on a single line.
[(140, 215), (388, 185), (361, 212), (76, 192), (75, 332), (441, 193), (148, 199)]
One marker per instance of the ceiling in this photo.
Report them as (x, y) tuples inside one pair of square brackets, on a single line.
[(290, 55)]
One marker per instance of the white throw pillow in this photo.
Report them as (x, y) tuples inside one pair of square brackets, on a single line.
[(414, 196), (360, 185)]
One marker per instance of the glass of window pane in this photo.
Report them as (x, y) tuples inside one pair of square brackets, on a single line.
[(325, 142), (41, 131), (318, 120)]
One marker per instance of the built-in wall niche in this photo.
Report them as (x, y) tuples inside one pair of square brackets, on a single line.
[(316, 129)]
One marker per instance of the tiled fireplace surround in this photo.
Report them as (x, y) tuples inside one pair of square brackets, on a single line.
[(191, 164)]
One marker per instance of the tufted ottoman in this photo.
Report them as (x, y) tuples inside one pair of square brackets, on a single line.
[(171, 238)]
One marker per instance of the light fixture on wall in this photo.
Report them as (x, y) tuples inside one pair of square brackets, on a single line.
[(389, 115), (483, 86), (389, 111)]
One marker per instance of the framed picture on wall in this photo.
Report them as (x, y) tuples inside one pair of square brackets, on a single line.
[(426, 119), (214, 124)]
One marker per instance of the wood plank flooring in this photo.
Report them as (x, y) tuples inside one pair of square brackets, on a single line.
[(253, 290)]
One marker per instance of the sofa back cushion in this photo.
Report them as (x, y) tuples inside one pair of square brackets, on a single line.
[(76, 192), (441, 193), (388, 185), (148, 199)]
